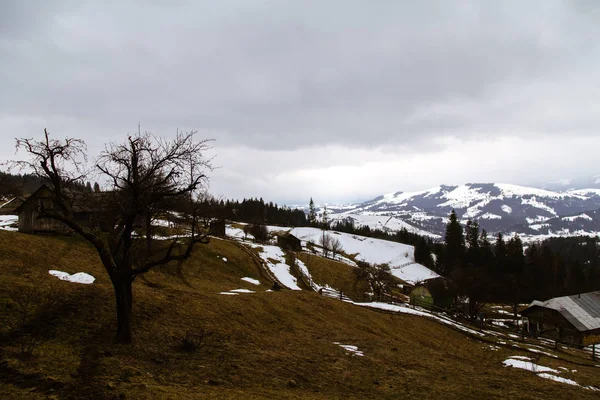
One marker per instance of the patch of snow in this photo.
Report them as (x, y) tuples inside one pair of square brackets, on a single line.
[(490, 216), (580, 216), (242, 291), (539, 218), (274, 258), (80, 277), (229, 293), (534, 203), (251, 280), (528, 366), (509, 190), (224, 259), (7, 220), (350, 349), (558, 379), (506, 209)]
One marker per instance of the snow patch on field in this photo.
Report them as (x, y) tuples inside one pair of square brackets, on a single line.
[(506, 209), (274, 258), (580, 216), (525, 363), (7, 220), (528, 366), (350, 349), (251, 280), (80, 277), (490, 216)]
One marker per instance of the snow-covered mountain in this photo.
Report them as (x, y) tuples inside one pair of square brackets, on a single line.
[(533, 213)]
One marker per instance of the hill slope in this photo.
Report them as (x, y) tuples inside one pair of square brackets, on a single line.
[(263, 344)]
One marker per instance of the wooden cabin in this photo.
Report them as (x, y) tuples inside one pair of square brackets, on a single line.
[(288, 241), (432, 293), (569, 319), (217, 228), (85, 208)]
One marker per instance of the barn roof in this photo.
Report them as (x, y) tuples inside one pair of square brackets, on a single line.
[(80, 201), (581, 310), (12, 204)]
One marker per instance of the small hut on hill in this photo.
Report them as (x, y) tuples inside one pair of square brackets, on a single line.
[(288, 241), (86, 208), (435, 292), (217, 228), (569, 319)]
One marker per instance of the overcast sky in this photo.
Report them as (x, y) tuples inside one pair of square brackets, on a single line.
[(338, 100)]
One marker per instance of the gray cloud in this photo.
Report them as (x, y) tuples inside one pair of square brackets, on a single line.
[(276, 76)]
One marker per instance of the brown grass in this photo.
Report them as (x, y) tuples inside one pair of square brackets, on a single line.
[(275, 345)]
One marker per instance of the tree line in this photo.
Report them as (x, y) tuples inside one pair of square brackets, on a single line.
[(504, 272)]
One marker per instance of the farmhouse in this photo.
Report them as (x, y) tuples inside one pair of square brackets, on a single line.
[(289, 242), (569, 319), (435, 292), (85, 207)]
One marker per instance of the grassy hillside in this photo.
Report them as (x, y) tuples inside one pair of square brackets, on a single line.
[(261, 345)]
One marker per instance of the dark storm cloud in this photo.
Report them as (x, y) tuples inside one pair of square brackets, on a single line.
[(281, 75)]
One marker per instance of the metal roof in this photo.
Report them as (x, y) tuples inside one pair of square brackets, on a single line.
[(581, 310)]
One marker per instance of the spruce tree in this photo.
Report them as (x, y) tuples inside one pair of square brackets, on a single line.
[(455, 245), (312, 213)]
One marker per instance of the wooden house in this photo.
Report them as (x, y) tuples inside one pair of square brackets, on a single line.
[(217, 228), (86, 209), (432, 293), (288, 241), (569, 319)]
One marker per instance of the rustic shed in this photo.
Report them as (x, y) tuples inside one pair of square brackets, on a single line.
[(571, 319), (435, 292), (289, 242), (86, 209), (217, 228), (9, 207)]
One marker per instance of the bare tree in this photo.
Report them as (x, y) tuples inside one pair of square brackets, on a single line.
[(144, 173), (378, 276), (325, 242), (335, 246)]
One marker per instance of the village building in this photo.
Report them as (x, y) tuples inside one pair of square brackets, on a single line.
[(287, 241), (571, 319), (432, 293), (86, 209), (217, 228)]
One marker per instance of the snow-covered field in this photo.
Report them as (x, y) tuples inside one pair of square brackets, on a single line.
[(400, 257), (7, 220)]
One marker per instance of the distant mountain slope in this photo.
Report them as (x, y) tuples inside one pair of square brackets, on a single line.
[(498, 207)]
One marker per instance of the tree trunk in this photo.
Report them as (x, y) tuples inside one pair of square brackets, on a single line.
[(124, 297)]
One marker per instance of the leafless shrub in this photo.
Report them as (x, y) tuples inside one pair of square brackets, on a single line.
[(192, 342), (28, 304)]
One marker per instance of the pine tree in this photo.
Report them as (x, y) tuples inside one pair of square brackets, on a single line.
[(455, 245), (312, 213), (325, 218), (96, 187)]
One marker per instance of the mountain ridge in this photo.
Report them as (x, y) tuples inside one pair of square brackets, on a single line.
[(498, 207)]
